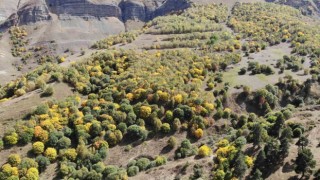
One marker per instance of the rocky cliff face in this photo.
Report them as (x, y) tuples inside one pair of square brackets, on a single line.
[(143, 10), (34, 11), (84, 8), (307, 7)]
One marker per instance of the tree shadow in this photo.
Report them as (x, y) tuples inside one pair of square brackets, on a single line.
[(166, 150), (287, 167)]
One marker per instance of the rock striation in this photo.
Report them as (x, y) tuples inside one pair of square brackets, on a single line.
[(33, 11)]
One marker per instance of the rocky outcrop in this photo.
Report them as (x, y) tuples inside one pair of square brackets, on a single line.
[(171, 6), (84, 8), (143, 10), (306, 7), (33, 11)]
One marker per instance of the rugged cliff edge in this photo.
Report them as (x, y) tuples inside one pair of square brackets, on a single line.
[(33, 11)]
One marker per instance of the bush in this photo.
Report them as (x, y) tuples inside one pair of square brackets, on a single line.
[(43, 162), (145, 111), (48, 91), (132, 171), (242, 71), (165, 128), (11, 138), (64, 142), (204, 151), (51, 154), (122, 127), (38, 147), (185, 149), (110, 169), (172, 142), (143, 163), (136, 132), (70, 154), (42, 109), (198, 133), (14, 160), (28, 163), (160, 160)]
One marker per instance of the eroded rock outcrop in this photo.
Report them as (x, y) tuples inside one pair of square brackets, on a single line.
[(84, 8), (33, 11)]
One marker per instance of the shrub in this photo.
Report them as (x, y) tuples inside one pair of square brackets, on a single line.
[(219, 175), (143, 163), (249, 161), (185, 149), (61, 59), (20, 92), (136, 132), (32, 173), (42, 109), (70, 154), (122, 127), (169, 116), (99, 167), (160, 160), (165, 128), (223, 143), (132, 171), (25, 134), (242, 71), (11, 139), (14, 160), (28, 163), (198, 133), (51, 154), (43, 162), (64, 142), (176, 124), (145, 111), (48, 91), (38, 147), (204, 151), (172, 142), (110, 169)]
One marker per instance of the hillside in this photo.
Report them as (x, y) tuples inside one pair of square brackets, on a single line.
[(208, 91)]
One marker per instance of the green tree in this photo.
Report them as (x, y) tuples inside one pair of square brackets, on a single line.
[(272, 150), (304, 161), (172, 142), (303, 142), (257, 134), (64, 142), (259, 163), (240, 165), (43, 162), (257, 175)]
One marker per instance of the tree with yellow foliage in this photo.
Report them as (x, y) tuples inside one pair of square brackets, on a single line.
[(14, 160), (178, 98), (198, 133), (145, 111), (204, 151), (38, 147), (51, 154)]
